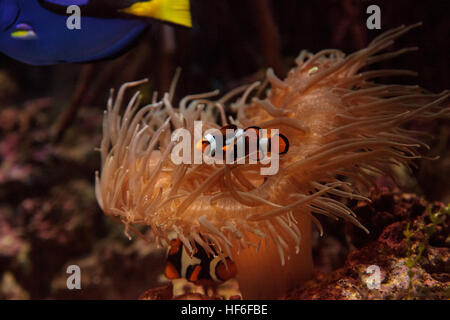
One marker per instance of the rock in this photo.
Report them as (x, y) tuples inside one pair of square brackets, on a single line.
[(182, 289), (410, 255)]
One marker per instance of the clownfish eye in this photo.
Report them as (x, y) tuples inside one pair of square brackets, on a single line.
[(205, 145), (202, 145)]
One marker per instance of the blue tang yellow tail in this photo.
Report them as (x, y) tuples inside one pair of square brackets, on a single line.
[(36, 31)]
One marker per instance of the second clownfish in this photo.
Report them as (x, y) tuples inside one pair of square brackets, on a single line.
[(198, 266)]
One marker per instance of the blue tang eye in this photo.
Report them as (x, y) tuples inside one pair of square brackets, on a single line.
[(23, 31)]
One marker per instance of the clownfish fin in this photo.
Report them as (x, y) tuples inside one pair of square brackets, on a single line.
[(174, 247), (171, 271), (225, 271), (194, 275), (173, 11), (283, 143)]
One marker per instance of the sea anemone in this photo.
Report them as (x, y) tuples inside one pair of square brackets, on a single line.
[(343, 128)]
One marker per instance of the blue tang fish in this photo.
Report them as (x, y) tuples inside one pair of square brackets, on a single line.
[(36, 31)]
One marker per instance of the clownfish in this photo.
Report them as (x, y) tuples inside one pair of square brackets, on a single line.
[(240, 143), (198, 266), (37, 31)]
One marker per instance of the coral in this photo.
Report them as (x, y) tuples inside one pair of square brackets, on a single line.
[(181, 289), (10, 289), (107, 268), (406, 271), (8, 87)]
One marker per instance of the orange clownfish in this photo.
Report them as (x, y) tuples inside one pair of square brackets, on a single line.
[(198, 266), (238, 143)]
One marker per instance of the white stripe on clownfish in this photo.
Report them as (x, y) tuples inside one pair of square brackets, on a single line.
[(186, 261)]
